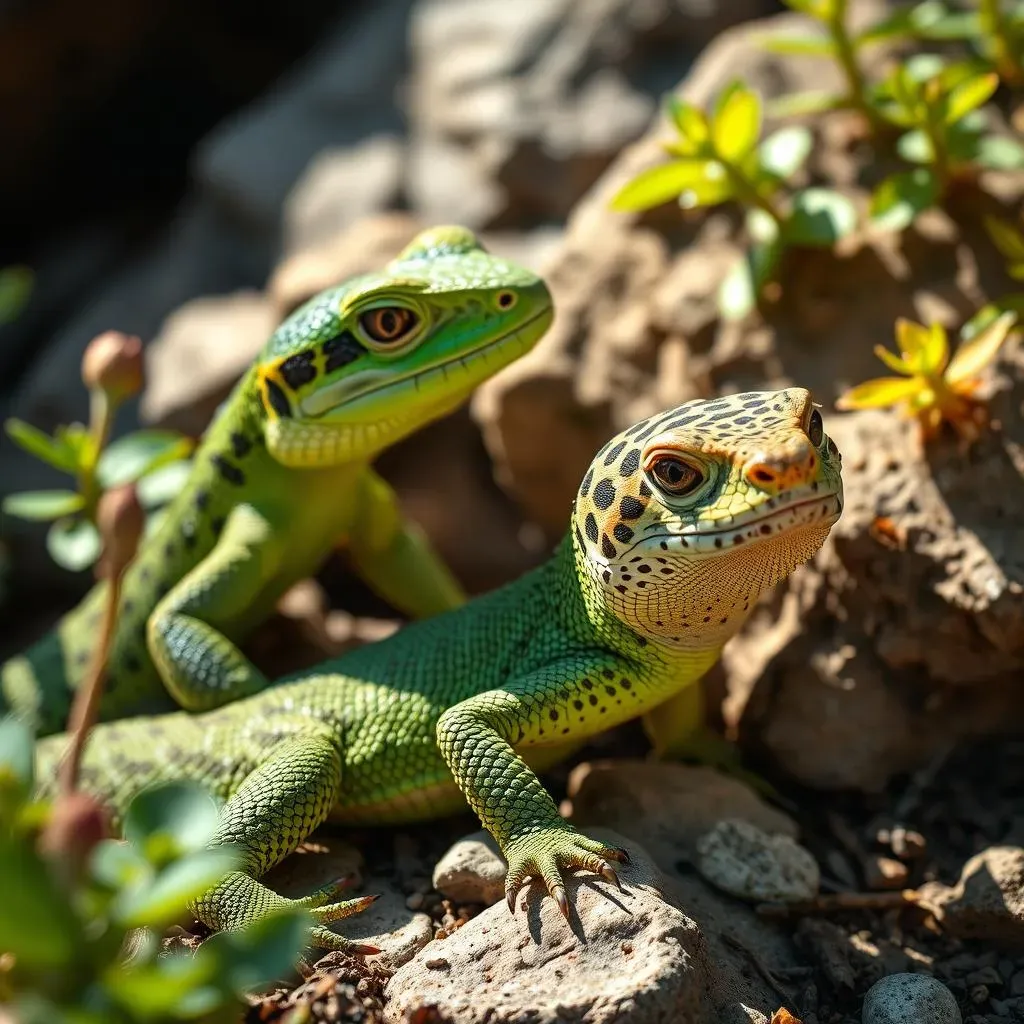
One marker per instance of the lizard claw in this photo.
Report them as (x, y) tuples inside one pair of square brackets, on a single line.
[(607, 872), (558, 893)]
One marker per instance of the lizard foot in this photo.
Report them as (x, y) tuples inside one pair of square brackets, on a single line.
[(545, 854), (320, 906)]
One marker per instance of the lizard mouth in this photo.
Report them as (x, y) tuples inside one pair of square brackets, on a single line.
[(798, 510), (350, 393)]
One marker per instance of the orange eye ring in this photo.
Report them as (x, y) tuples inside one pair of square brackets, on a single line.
[(388, 324)]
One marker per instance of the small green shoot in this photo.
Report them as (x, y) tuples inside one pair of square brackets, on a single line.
[(112, 373), (719, 157), (835, 42), (931, 386), (938, 109)]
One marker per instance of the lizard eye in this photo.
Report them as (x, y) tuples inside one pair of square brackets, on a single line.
[(388, 324), (815, 428), (674, 475)]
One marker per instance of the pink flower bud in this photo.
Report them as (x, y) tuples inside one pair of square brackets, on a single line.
[(121, 521), (113, 363)]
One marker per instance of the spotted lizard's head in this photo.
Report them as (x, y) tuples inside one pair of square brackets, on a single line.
[(364, 364), (686, 518)]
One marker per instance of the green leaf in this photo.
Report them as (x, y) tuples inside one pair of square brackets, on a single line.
[(262, 952), (990, 312), (820, 9), (969, 94), (920, 67), (17, 753), (133, 456), (736, 122), (901, 197), (36, 921), (49, 449), (170, 819), (799, 104), (74, 543), (819, 217), (689, 121), (915, 147), (117, 865), (1006, 238), (956, 25), (160, 902), (999, 153), (163, 484), (809, 45), (15, 290), (739, 291), (784, 151), (658, 185), (904, 22), (711, 188), (178, 986), (42, 506), (761, 226)]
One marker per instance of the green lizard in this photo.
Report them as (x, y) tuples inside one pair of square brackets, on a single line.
[(680, 524), (283, 475)]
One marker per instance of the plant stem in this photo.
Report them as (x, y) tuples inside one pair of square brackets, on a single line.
[(846, 56), (993, 25), (87, 700), (747, 192), (101, 420)]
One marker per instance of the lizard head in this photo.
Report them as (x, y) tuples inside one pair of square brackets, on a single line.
[(686, 518), (366, 363)]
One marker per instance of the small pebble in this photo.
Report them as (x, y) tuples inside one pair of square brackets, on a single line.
[(415, 901), (910, 999), (979, 994), (743, 860), (885, 873)]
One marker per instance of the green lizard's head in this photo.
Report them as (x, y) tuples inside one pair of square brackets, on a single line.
[(686, 518), (362, 365)]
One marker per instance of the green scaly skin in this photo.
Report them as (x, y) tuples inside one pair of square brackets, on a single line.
[(284, 475), (680, 524)]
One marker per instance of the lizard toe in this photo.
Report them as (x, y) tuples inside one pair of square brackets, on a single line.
[(324, 938)]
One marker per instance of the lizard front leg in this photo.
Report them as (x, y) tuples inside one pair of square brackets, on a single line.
[(477, 738), (395, 557), (199, 665), (275, 808)]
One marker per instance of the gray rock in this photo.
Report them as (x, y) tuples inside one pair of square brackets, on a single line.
[(666, 807), (747, 862), (987, 901), (624, 954), (910, 999), (340, 96), (198, 355), (472, 870), (517, 108), (340, 186)]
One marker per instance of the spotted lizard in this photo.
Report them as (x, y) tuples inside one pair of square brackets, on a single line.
[(284, 475), (681, 522)]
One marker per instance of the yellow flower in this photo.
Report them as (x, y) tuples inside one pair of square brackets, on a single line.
[(932, 386)]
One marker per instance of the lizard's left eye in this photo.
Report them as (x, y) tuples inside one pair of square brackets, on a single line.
[(388, 324), (815, 428)]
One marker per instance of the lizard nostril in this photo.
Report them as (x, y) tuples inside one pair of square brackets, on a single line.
[(762, 475)]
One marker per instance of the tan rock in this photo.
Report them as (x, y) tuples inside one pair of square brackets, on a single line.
[(987, 901)]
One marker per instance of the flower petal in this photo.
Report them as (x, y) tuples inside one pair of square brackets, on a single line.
[(880, 392), (974, 355)]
